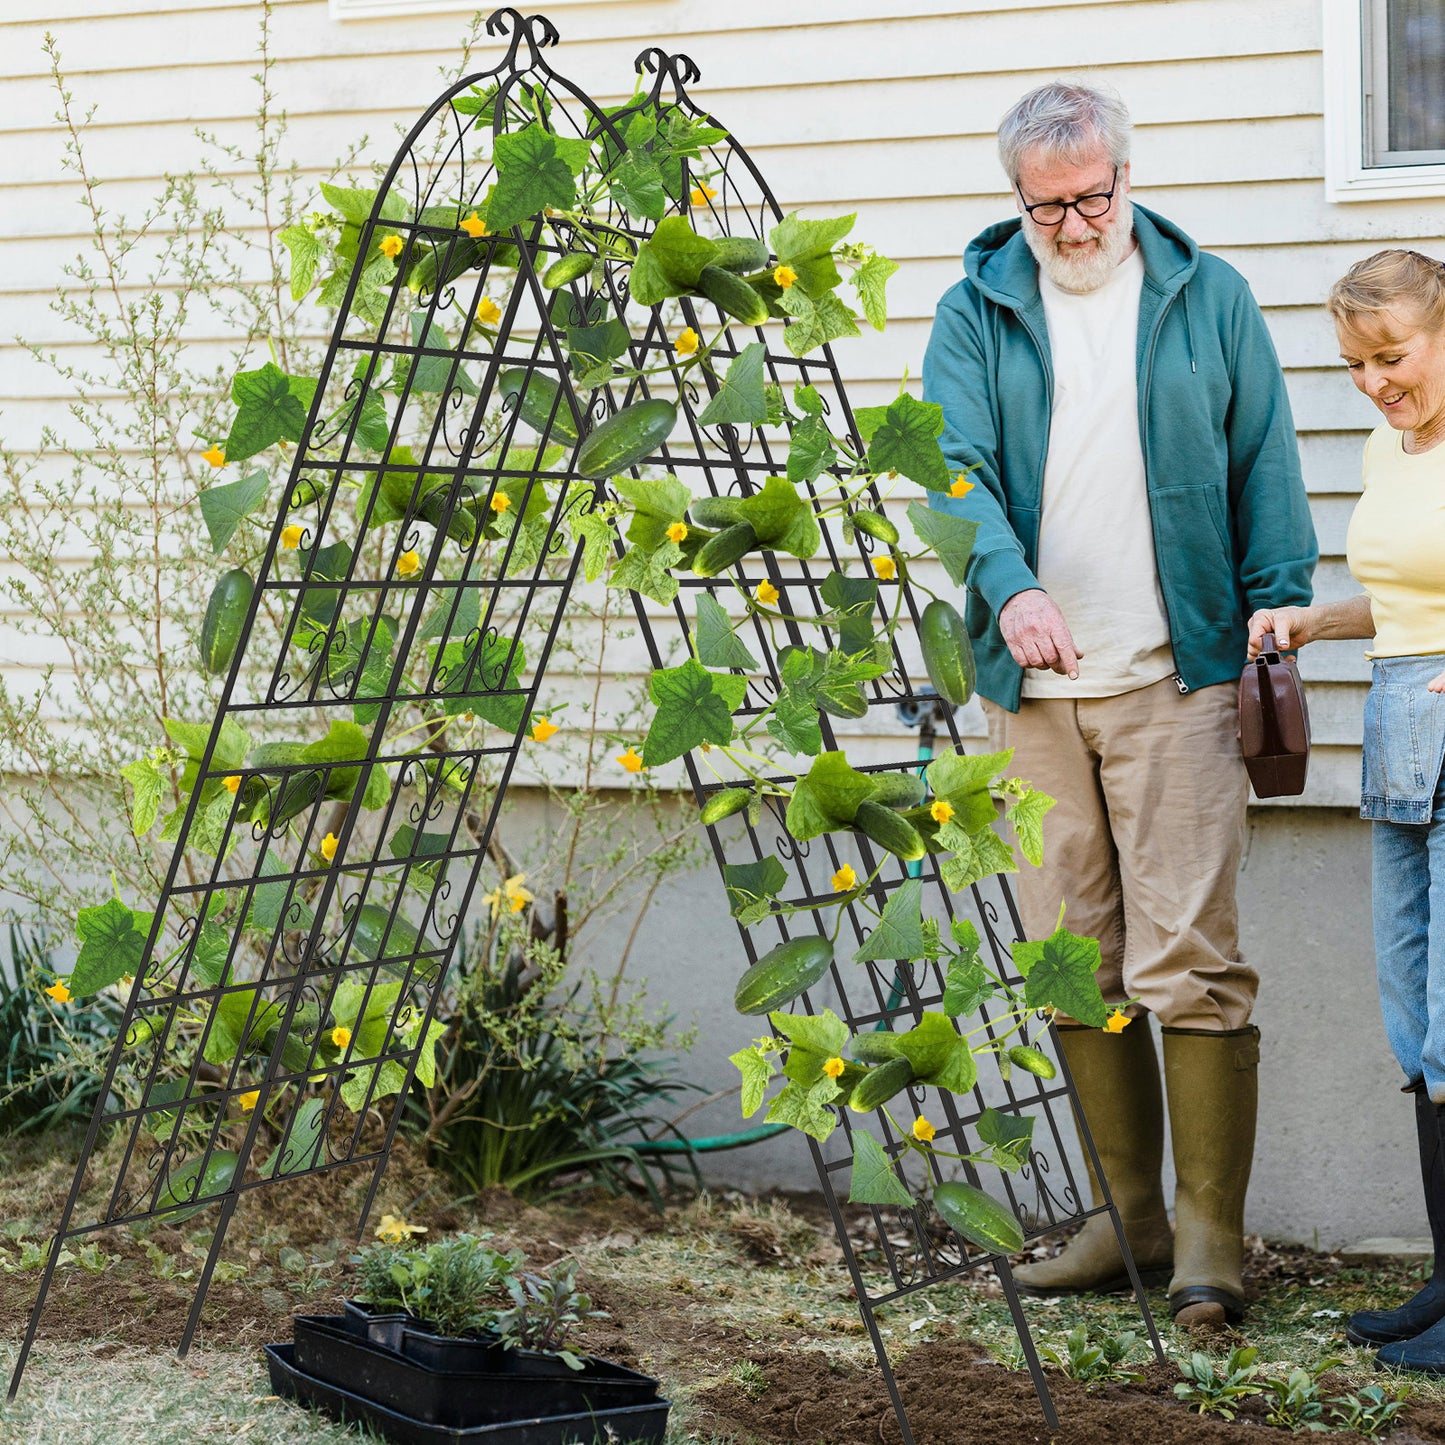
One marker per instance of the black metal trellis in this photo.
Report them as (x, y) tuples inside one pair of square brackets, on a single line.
[(469, 623)]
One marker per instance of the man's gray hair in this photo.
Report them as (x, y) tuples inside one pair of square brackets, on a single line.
[(1066, 121)]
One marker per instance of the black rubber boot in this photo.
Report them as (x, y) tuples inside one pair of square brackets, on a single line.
[(1427, 1308)]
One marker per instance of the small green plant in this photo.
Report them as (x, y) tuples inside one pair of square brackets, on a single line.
[(1205, 1389), (1094, 1359), (545, 1310), (748, 1376), (1369, 1411), (1294, 1399), (455, 1285)]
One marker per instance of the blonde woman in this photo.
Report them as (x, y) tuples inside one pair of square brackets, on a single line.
[(1389, 314)]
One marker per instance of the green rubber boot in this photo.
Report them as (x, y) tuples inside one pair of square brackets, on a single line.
[(1117, 1080), (1212, 1080)]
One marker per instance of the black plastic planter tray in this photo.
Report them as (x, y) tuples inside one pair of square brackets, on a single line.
[(454, 1354), (327, 1351), (635, 1425)]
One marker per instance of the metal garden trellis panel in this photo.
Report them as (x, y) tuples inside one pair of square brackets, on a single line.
[(269, 935)]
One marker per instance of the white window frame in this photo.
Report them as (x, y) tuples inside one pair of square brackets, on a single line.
[(379, 9), (1348, 174)]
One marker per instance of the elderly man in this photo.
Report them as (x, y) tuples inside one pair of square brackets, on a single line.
[(1113, 396)]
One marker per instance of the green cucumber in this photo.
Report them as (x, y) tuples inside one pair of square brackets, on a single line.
[(627, 438), (875, 1047), (225, 618), (947, 652), (889, 830), (780, 975), (539, 405), (845, 701), (461, 526), (377, 933), (897, 790), (462, 255), (739, 253), (567, 268), (879, 1085), (927, 825), (725, 804), (732, 295), (876, 525), (978, 1217), (725, 550), (716, 511), (1033, 1061)]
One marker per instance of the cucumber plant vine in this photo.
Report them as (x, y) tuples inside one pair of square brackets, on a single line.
[(610, 240)]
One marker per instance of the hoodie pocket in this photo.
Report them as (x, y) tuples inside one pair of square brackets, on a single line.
[(1196, 561)]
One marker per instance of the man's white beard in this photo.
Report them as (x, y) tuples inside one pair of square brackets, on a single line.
[(1083, 268)]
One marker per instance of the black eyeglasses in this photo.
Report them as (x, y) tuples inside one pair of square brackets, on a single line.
[(1051, 213)]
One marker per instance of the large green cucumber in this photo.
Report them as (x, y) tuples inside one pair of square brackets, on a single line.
[(539, 405), (978, 1217), (567, 268), (897, 790), (225, 618), (739, 253), (889, 831), (726, 549), (780, 975), (877, 1046), (845, 701), (732, 295), (947, 652), (625, 439), (1035, 1062), (880, 1084), (725, 804), (876, 525), (716, 511)]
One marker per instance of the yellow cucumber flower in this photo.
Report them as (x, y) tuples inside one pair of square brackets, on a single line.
[(833, 1067), (341, 1037), (500, 502), (1118, 1022), (408, 564), (395, 1230), (700, 195), (214, 455), (961, 486), (942, 810), (291, 538), (766, 593), (329, 845), (59, 992), (232, 784), (474, 226), (784, 276), (391, 247), (687, 342), (247, 1101), (488, 312), (845, 880), (542, 729), (677, 532), (885, 568), (923, 1131), (630, 760)]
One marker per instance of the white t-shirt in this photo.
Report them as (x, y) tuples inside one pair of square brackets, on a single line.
[(1096, 542)]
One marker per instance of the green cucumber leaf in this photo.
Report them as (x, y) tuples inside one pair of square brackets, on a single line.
[(739, 398), (751, 883), (966, 988), (717, 644), (1060, 973), (898, 933), (1009, 1136), (873, 1180), (224, 508), (1027, 817), (870, 281), (903, 437), (794, 239), (806, 1108), (270, 407), (828, 795), (756, 1068), (976, 856), (112, 946), (693, 706), (647, 572), (950, 537), (535, 169), (148, 787)]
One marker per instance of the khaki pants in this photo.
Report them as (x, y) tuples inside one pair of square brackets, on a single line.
[(1145, 843)]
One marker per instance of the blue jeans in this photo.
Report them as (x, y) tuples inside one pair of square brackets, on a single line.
[(1404, 795)]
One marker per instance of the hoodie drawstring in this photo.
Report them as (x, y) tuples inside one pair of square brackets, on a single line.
[(1188, 330)]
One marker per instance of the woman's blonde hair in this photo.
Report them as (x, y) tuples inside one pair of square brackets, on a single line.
[(1401, 284)]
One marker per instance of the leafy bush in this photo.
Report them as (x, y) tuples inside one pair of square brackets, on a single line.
[(54, 1054), (542, 1081), (545, 1310), (455, 1286)]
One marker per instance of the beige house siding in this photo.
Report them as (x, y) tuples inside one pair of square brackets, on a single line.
[(1226, 94)]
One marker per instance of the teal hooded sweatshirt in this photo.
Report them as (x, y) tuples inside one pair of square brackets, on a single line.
[(1232, 527)]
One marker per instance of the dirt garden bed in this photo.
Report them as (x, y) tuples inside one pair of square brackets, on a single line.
[(741, 1306)]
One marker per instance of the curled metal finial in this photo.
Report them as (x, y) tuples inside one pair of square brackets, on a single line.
[(680, 69), (536, 30)]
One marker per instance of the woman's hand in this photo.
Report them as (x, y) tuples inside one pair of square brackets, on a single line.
[(1290, 625), (1436, 684)]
